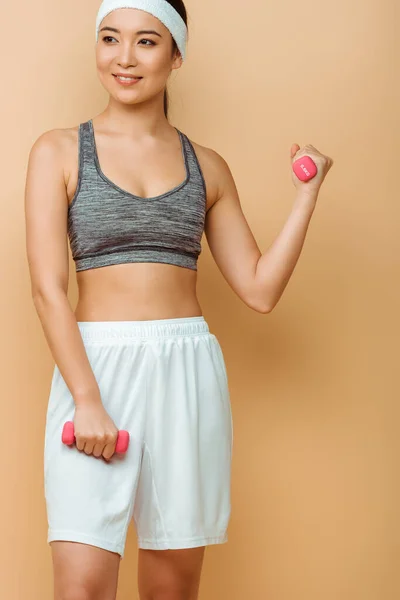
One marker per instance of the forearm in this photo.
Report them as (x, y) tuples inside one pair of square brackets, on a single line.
[(276, 265), (66, 345)]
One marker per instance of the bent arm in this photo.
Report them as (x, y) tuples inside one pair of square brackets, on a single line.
[(46, 206), (259, 279), (275, 267)]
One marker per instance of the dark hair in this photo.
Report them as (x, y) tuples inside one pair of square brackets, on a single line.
[(180, 8)]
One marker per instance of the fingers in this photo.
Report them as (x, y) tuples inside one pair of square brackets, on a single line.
[(98, 446), (88, 447), (293, 150), (80, 442), (323, 161), (103, 443), (109, 450)]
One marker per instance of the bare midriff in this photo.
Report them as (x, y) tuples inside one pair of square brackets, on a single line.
[(137, 292)]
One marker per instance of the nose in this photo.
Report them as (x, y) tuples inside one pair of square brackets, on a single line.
[(127, 55)]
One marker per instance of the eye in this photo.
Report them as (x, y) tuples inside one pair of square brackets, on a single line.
[(108, 37), (145, 40)]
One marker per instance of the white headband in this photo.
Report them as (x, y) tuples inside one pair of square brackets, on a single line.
[(158, 8)]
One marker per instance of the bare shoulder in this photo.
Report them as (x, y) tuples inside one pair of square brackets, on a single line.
[(215, 170), (54, 140), (54, 144), (58, 148)]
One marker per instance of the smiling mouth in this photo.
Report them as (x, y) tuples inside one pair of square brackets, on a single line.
[(126, 77)]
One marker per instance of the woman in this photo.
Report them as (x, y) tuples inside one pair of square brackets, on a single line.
[(134, 196)]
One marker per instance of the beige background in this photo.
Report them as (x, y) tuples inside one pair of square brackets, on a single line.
[(314, 384)]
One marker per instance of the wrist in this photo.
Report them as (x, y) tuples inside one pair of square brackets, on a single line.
[(305, 199), (88, 397)]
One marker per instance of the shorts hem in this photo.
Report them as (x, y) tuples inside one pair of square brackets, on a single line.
[(75, 536), (180, 543)]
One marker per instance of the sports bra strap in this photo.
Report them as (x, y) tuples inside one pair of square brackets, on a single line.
[(86, 147)]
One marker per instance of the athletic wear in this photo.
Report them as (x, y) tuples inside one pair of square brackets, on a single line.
[(165, 382), (108, 225)]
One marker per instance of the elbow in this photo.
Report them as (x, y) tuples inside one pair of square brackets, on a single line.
[(42, 296), (259, 305), (264, 309), (38, 297)]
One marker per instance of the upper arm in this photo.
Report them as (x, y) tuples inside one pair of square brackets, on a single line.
[(229, 236), (46, 206)]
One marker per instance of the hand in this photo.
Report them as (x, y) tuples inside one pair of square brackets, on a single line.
[(322, 162), (95, 432)]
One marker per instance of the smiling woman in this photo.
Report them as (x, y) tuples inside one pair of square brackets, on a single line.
[(137, 353), (134, 195)]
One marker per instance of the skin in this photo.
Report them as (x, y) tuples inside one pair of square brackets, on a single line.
[(139, 150)]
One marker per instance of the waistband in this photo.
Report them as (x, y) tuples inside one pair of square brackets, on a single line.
[(155, 328)]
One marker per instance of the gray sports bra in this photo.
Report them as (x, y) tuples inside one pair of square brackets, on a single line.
[(108, 225)]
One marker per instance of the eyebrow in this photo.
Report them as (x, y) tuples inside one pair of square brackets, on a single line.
[(137, 33)]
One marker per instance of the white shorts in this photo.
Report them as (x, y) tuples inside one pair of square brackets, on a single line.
[(164, 381)]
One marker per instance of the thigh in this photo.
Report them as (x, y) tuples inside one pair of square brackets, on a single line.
[(170, 573), (83, 571)]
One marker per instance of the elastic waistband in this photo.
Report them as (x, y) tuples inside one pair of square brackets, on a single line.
[(156, 328)]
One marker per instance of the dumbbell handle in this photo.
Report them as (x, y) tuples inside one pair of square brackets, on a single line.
[(68, 437), (304, 168)]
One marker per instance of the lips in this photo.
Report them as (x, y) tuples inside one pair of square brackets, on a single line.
[(126, 76), (126, 80)]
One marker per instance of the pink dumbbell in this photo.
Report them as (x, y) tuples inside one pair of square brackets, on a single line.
[(68, 437), (305, 168)]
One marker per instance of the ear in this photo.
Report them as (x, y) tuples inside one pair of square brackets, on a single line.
[(177, 60)]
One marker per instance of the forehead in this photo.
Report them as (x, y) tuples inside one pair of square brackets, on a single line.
[(131, 20)]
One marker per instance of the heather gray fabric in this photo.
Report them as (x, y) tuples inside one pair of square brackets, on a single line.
[(108, 225)]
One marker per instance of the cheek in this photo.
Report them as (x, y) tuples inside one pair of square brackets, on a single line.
[(102, 66), (104, 59), (157, 67)]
